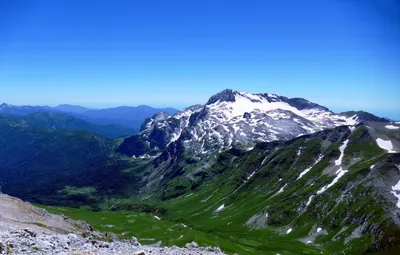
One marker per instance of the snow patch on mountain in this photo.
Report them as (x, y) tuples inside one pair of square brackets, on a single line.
[(282, 189), (308, 169), (392, 127), (339, 173), (396, 190), (309, 200), (220, 208), (338, 162), (385, 144)]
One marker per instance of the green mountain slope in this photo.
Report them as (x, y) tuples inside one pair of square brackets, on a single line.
[(48, 165), (332, 192)]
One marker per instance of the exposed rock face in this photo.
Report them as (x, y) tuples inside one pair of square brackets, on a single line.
[(27, 241), (26, 229), (233, 119), (14, 213)]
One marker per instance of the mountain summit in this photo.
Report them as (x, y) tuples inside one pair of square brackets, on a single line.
[(234, 119)]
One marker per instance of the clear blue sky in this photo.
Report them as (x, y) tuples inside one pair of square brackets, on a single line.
[(344, 54)]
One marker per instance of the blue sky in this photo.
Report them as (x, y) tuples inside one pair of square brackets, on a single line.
[(343, 54)]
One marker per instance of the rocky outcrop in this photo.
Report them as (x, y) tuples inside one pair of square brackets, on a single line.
[(14, 213), (233, 119), (26, 229), (26, 241)]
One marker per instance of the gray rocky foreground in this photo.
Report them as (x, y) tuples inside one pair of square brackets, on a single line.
[(27, 241)]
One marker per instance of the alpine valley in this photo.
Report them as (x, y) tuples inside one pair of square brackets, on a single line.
[(248, 173)]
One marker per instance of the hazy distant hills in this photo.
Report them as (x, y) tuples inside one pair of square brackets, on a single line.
[(63, 121), (125, 116)]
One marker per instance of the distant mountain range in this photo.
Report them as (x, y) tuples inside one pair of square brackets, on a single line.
[(125, 116), (62, 121)]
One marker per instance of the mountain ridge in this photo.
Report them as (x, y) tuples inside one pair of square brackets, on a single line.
[(237, 118), (126, 116)]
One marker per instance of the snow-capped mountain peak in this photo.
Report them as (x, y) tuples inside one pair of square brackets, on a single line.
[(234, 118)]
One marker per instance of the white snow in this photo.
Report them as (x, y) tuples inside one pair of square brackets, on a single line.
[(339, 174), (251, 175), (391, 127), (245, 102), (299, 151), (352, 128), (353, 120), (289, 230), (220, 208), (262, 163), (309, 241), (338, 162), (234, 129), (175, 136), (386, 145), (396, 187), (308, 169), (309, 200), (282, 189), (396, 194), (319, 230), (146, 156), (396, 190), (156, 217)]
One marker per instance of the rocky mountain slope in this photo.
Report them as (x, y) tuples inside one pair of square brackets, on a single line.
[(25, 229), (336, 189), (16, 214), (234, 119)]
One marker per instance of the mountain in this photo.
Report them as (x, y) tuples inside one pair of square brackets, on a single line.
[(61, 121), (126, 116), (250, 173), (71, 108), (235, 119), (23, 110), (365, 116), (47, 165), (337, 189)]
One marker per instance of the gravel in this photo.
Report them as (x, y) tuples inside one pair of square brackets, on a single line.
[(28, 241)]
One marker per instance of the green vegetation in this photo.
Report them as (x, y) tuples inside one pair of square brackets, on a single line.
[(242, 202), (149, 230)]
